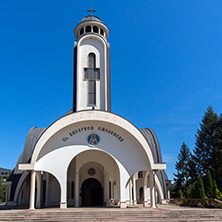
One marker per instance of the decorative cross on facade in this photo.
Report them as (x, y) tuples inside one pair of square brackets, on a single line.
[(91, 10), (92, 74)]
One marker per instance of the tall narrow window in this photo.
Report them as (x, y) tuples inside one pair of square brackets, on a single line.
[(92, 74)]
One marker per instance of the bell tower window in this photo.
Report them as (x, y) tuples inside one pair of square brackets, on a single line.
[(95, 29), (92, 74), (88, 29)]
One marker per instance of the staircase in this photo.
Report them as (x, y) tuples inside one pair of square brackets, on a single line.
[(166, 214)]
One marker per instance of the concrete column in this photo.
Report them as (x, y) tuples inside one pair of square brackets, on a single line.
[(39, 180), (152, 189), (130, 192), (6, 195), (106, 190), (134, 190), (76, 190), (148, 195), (124, 176), (47, 190), (32, 191), (145, 201), (122, 195), (63, 199)]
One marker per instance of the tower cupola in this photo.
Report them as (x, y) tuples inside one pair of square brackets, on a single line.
[(91, 24)]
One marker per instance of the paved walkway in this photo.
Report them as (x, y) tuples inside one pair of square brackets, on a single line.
[(166, 213)]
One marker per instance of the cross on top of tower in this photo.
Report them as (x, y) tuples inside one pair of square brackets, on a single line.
[(91, 10)]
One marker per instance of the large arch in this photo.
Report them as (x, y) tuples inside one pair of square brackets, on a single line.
[(89, 116), (57, 144), (106, 171)]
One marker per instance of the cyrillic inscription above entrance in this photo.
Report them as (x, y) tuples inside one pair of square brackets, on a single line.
[(92, 128)]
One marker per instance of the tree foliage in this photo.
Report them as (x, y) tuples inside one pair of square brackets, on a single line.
[(2, 191), (209, 185), (205, 145), (182, 167), (205, 161), (200, 192)]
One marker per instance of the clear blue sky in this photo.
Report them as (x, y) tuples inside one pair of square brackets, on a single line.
[(166, 66)]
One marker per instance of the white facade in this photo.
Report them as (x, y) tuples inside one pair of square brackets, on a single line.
[(90, 156)]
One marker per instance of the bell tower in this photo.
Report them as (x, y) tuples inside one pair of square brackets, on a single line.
[(91, 65)]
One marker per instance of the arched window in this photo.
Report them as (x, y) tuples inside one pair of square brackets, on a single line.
[(140, 174), (101, 32), (88, 28), (92, 74), (95, 29), (81, 31)]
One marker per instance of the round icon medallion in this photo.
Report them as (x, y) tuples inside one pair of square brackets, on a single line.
[(93, 139), (91, 171)]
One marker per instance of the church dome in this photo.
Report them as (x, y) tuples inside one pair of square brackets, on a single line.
[(91, 18)]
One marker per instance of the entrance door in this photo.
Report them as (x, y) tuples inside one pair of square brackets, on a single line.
[(92, 193)]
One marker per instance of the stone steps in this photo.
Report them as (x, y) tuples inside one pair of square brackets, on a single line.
[(104, 214)]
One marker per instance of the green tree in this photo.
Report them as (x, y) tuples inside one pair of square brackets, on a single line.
[(192, 190), (205, 145), (192, 171), (218, 153), (214, 188), (200, 192), (182, 167), (216, 192), (2, 191), (209, 185), (180, 194)]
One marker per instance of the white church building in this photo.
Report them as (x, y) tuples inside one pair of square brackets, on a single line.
[(90, 156)]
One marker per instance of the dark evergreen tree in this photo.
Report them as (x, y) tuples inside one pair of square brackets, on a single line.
[(182, 167), (209, 185), (200, 192), (205, 146), (192, 191), (218, 155), (192, 171)]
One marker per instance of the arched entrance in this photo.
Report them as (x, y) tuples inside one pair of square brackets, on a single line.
[(92, 193)]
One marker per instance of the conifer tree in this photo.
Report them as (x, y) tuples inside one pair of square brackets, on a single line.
[(200, 192), (209, 185), (182, 167), (192, 191), (218, 170), (205, 146)]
